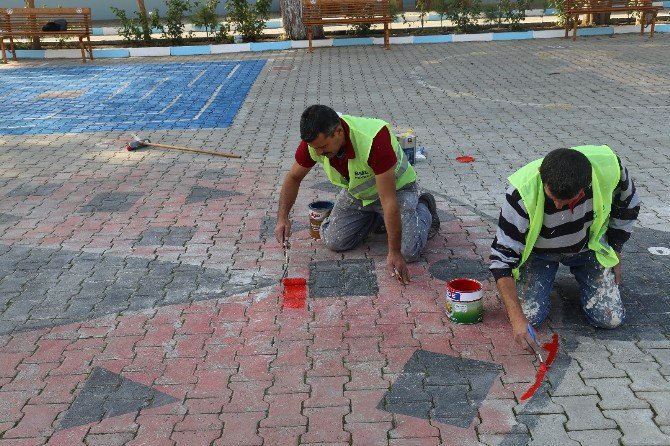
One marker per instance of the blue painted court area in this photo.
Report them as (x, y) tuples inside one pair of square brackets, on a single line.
[(124, 97)]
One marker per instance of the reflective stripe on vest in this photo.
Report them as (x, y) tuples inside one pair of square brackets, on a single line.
[(605, 176)]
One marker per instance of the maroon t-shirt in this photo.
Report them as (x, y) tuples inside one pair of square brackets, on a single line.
[(382, 156)]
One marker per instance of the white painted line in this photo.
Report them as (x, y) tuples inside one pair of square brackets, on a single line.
[(170, 104), (126, 85), (160, 82), (233, 72), (190, 84), (209, 102)]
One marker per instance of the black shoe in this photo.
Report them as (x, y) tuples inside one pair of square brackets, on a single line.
[(429, 201), (381, 229)]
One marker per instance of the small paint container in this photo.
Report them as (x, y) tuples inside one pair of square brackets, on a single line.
[(318, 211), (464, 301)]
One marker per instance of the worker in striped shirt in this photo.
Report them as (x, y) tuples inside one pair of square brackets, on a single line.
[(574, 207)]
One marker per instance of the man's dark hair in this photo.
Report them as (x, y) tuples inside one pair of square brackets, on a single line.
[(318, 119), (565, 172)]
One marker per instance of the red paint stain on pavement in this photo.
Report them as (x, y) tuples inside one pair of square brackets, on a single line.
[(295, 292), (465, 159), (552, 348)]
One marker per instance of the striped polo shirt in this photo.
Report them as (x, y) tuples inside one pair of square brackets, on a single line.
[(564, 231)]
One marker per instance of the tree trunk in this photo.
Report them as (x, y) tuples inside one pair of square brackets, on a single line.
[(144, 19), (292, 17), (36, 45)]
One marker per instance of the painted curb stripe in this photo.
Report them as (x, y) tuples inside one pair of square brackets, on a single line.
[(269, 46), (606, 31), (190, 50), (447, 38), (103, 54), (513, 35), (193, 50), (353, 41)]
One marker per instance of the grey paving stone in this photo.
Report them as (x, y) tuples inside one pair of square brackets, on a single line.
[(269, 223), (200, 194), (539, 404), (616, 394), (597, 365), (169, 236), (638, 427), (547, 430), (455, 404), (583, 413), (6, 219), (571, 383), (353, 277), (454, 268), (660, 403), (607, 437), (505, 440), (111, 202), (662, 357), (32, 189), (645, 377), (107, 394)]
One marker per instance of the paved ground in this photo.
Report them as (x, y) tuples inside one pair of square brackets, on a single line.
[(139, 295)]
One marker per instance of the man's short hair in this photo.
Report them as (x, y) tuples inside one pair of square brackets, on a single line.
[(318, 119), (565, 172)]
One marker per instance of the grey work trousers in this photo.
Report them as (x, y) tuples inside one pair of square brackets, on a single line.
[(350, 222)]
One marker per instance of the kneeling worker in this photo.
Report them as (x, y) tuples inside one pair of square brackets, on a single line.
[(576, 207), (379, 189)]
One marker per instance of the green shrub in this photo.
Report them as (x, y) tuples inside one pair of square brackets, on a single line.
[(249, 20), (464, 14), (514, 12), (130, 29), (205, 15), (173, 28)]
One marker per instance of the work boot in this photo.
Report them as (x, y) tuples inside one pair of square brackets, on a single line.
[(428, 199)]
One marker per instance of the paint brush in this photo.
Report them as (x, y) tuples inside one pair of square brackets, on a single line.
[(531, 332)]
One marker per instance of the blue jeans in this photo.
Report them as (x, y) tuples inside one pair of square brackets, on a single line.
[(600, 297)]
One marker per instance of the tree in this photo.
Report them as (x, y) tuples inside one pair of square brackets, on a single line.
[(36, 45), (144, 20), (291, 11)]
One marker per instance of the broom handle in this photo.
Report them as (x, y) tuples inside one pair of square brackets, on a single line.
[(188, 149)]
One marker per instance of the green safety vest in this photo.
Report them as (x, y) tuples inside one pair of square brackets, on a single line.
[(605, 176), (362, 184)]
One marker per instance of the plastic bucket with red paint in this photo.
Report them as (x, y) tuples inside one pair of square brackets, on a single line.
[(464, 301)]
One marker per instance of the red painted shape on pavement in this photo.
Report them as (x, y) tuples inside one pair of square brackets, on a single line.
[(552, 348), (465, 159), (295, 292)]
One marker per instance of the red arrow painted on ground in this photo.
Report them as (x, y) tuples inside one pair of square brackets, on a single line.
[(552, 348)]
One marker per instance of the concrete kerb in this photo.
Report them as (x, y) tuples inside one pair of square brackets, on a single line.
[(301, 44)]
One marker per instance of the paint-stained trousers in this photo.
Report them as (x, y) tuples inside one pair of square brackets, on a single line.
[(350, 222), (599, 294)]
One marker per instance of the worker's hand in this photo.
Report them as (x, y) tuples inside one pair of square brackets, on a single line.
[(282, 230), (523, 337), (616, 269), (397, 267)]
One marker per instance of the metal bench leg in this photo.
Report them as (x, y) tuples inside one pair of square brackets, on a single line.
[(4, 49), (386, 36), (642, 20), (567, 27), (574, 29)]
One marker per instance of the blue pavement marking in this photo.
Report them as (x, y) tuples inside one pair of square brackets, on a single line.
[(523, 35), (124, 97), (353, 41)]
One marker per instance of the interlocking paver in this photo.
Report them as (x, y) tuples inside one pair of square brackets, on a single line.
[(583, 413), (161, 266), (638, 427)]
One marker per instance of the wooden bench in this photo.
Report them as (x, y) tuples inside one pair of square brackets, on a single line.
[(346, 12), (28, 22), (574, 8)]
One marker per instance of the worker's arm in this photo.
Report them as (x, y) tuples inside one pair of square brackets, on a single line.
[(387, 196), (509, 296), (289, 192)]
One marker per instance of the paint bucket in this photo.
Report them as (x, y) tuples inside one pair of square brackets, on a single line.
[(318, 211), (464, 301)]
